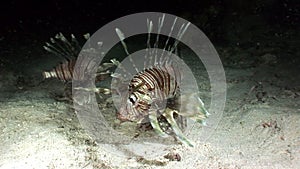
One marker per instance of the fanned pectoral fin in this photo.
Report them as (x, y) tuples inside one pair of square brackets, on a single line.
[(201, 115), (155, 124), (170, 118)]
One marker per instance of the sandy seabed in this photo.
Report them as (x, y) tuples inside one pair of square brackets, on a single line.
[(260, 127)]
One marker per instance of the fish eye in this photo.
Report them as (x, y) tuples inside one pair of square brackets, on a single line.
[(132, 99)]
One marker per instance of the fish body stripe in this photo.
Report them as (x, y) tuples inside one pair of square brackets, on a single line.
[(63, 71), (151, 84)]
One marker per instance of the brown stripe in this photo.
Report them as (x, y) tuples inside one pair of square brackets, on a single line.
[(57, 72), (63, 71), (70, 69), (163, 80), (153, 73), (160, 83), (148, 80)]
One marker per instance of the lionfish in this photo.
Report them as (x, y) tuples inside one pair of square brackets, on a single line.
[(69, 51), (154, 93)]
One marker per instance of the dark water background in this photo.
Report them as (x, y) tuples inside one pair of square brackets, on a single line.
[(240, 26)]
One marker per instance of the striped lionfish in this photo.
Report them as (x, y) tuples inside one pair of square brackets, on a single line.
[(69, 51), (154, 92)]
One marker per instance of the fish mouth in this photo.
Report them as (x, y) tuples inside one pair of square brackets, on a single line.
[(122, 118)]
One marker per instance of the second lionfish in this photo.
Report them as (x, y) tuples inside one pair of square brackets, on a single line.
[(154, 92), (69, 50)]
